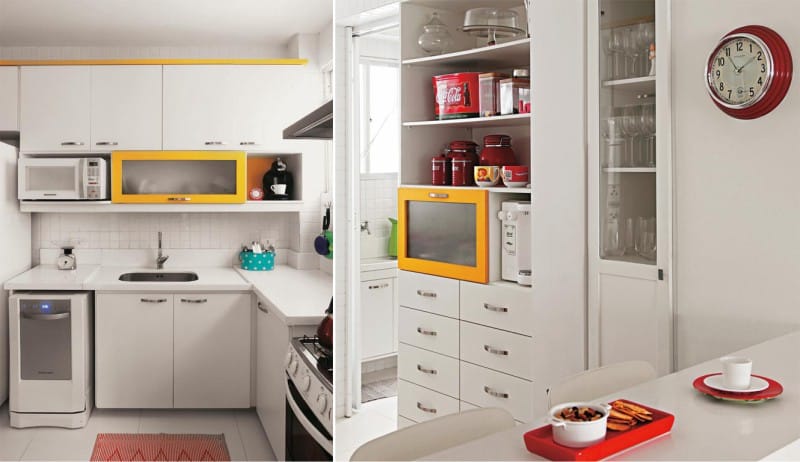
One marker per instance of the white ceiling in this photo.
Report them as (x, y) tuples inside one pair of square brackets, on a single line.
[(122, 23)]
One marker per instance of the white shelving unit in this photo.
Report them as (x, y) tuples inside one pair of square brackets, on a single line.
[(108, 207), (510, 120)]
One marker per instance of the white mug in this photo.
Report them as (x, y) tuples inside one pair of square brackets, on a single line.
[(279, 189), (736, 372)]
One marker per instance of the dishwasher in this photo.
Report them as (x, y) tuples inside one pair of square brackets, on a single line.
[(50, 348)]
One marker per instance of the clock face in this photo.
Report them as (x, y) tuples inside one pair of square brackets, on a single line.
[(740, 71)]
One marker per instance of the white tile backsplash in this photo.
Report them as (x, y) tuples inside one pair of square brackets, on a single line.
[(379, 201)]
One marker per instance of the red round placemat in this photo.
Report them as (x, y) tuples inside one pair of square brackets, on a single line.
[(772, 391)]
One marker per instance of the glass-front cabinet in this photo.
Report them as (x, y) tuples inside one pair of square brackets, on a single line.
[(629, 175)]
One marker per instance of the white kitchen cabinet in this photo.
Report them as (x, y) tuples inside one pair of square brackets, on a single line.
[(212, 350), (125, 108), (629, 302), (55, 109), (9, 99), (378, 317), (133, 350)]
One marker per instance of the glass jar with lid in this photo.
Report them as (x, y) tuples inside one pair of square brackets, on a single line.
[(435, 39), (497, 151)]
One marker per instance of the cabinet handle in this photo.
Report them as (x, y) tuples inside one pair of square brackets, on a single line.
[(379, 286), (179, 199), (495, 308), (422, 408), (196, 300), (497, 394), (422, 331), (438, 195), (215, 143), (153, 300), (107, 143), (247, 143), (72, 143), (426, 370), (425, 293), (261, 308), (495, 351)]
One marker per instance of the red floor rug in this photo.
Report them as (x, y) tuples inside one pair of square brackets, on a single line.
[(159, 446)]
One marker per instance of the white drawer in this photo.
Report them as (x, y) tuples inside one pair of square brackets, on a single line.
[(465, 406), (429, 293), (431, 370), (506, 306), (420, 404), (402, 422), (488, 388), (429, 331), (497, 349)]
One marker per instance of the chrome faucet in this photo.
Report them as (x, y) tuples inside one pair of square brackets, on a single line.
[(161, 257), (365, 227)]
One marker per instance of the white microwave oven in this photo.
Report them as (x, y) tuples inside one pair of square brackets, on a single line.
[(79, 179)]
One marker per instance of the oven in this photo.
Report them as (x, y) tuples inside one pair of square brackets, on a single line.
[(309, 402)]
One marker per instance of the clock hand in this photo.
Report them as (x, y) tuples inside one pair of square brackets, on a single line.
[(733, 63), (745, 64)]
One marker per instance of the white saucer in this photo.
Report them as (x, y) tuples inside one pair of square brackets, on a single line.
[(756, 384)]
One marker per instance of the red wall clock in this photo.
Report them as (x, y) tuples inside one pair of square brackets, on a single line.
[(749, 72)]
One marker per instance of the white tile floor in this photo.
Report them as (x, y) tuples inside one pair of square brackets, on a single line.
[(243, 433), (374, 419)]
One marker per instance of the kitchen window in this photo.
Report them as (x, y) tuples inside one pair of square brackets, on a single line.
[(380, 122)]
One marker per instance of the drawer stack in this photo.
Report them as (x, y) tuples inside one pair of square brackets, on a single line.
[(463, 345)]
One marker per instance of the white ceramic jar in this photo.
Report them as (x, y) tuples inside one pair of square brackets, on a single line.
[(579, 434)]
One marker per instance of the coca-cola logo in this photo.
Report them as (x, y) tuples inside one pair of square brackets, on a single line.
[(450, 96)]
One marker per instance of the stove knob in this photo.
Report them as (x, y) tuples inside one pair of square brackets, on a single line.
[(289, 358), (305, 384), (293, 366), (322, 403), (329, 413)]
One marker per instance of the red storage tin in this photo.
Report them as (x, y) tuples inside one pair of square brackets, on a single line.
[(456, 96), (441, 170)]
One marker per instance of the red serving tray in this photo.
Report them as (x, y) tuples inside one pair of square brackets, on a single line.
[(774, 390), (540, 440)]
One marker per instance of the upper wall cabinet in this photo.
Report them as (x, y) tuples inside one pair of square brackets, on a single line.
[(54, 115), (214, 107), (90, 108), (9, 99), (126, 108)]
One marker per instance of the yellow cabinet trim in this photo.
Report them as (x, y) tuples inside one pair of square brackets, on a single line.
[(117, 196), (153, 61), (478, 273)]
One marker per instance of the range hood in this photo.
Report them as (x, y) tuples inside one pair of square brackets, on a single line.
[(317, 125)]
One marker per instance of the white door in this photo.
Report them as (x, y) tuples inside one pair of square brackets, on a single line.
[(378, 328), (125, 108), (199, 107), (133, 350), (55, 108), (273, 345), (212, 350), (9, 98)]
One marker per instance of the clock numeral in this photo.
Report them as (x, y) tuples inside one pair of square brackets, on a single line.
[(727, 51), (751, 48), (752, 92), (759, 56), (721, 86), (763, 68), (718, 73), (739, 46), (729, 93), (721, 61), (761, 81)]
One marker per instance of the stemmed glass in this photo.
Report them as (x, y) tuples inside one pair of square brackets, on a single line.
[(631, 44), (631, 122), (648, 128), (617, 46), (647, 35)]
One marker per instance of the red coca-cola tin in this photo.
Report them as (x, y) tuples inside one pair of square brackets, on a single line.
[(441, 170), (456, 96), (462, 170)]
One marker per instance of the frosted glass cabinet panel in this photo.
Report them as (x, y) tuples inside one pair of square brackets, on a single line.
[(179, 176)]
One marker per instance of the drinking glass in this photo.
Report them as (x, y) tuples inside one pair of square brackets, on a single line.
[(647, 35), (630, 127), (614, 242), (618, 48), (648, 128), (646, 238), (615, 141), (630, 237), (631, 39)]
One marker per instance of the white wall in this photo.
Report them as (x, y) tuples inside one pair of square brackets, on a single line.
[(737, 194)]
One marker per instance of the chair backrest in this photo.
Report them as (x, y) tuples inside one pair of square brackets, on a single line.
[(426, 438), (594, 383)]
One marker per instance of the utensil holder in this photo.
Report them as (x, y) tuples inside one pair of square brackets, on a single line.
[(257, 261)]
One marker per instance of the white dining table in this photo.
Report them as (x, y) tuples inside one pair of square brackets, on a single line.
[(705, 428)]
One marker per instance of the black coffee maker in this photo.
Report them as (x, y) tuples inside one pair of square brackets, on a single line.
[(278, 182)]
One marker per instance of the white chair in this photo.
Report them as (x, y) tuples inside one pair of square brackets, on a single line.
[(601, 381), (432, 436)]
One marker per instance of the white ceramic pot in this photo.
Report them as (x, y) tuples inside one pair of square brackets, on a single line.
[(579, 434)]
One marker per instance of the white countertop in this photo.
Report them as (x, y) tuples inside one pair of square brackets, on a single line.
[(208, 279), (48, 277), (704, 429), (300, 296), (378, 263)]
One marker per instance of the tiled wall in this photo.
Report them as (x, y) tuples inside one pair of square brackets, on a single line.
[(180, 231), (379, 201)]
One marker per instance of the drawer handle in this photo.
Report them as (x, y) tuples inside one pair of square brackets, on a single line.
[(495, 308), (422, 331), (422, 408), (379, 286), (107, 143), (72, 143), (438, 195), (426, 293), (497, 394), (426, 370), (153, 300), (495, 351), (179, 199), (215, 143), (247, 143), (261, 308), (196, 300)]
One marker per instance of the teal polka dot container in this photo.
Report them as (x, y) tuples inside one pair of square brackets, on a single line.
[(257, 261)]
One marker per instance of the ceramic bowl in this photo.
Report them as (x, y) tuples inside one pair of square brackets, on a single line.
[(579, 434), (487, 175), (515, 176)]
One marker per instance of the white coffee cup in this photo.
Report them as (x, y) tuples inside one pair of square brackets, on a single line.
[(736, 372), (279, 189)]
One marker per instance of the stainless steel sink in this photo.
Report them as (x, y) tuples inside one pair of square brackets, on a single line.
[(158, 277)]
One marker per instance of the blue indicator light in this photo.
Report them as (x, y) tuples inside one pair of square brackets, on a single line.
[(44, 307)]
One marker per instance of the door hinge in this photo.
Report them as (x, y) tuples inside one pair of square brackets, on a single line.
[(660, 274)]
